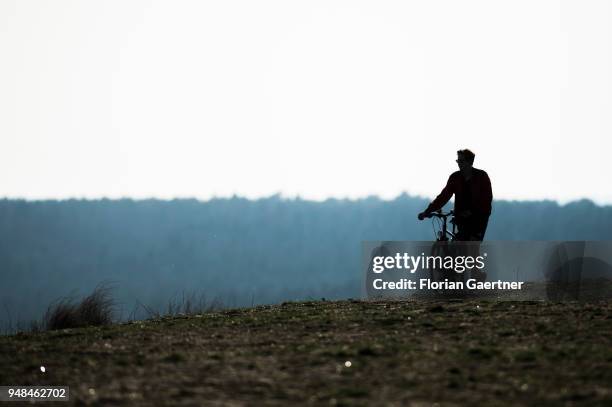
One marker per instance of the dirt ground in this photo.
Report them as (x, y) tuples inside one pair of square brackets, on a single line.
[(364, 353)]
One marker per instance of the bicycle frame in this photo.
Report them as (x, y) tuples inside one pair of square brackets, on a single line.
[(443, 247), (444, 234)]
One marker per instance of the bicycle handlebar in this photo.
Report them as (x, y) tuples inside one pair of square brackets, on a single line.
[(440, 214)]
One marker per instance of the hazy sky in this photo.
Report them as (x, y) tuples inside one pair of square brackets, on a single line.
[(310, 98)]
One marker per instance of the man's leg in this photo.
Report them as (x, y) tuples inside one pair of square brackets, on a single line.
[(478, 233), (472, 232), (480, 228)]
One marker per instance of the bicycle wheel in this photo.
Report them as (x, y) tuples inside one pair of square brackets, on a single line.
[(438, 272)]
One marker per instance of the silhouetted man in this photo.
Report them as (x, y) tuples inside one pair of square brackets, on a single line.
[(473, 197)]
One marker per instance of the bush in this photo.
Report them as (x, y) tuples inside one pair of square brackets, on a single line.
[(94, 310)]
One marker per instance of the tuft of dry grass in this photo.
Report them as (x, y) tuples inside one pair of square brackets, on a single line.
[(94, 310), (185, 304)]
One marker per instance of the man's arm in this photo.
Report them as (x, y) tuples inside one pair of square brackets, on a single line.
[(442, 198)]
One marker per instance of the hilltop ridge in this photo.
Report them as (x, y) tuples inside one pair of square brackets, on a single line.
[(341, 352)]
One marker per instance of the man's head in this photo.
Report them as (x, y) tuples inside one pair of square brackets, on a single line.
[(465, 159)]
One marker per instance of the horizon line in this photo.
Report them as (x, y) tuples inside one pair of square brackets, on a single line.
[(283, 197)]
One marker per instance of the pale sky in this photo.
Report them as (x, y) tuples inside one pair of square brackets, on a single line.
[(312, 98)]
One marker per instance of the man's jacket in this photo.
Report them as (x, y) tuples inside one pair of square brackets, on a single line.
[(474, 194)]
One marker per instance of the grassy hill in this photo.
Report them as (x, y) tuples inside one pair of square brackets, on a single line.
[(332, 353)]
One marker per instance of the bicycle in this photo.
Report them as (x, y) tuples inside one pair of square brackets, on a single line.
[(448, 243), (443, 234), (443, 247)]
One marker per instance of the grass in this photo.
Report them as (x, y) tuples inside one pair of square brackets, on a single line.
[(99, 309), (185, 304), (95, 309), (401, 353)]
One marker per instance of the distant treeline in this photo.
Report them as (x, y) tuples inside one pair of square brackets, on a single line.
[(235, 250)]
